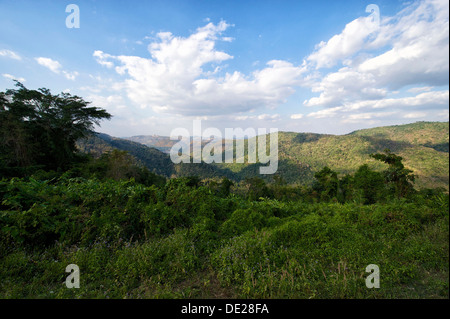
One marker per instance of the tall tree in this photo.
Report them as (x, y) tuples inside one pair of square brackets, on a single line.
[(39, 129), (397, 177), (370, 184), (326, 183)]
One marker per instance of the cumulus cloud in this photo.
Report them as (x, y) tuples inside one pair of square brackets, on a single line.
[(50, 64), (352, 39), (183, 76), (408, 107), (56, 67), (394, 68), (408, 49), (101, 58)]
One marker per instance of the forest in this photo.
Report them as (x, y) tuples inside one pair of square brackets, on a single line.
[(136, 232)]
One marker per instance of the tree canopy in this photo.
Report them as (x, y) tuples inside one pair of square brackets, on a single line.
[(38, 130)]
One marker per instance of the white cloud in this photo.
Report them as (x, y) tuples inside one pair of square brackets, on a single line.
[(420, 89), (70, 75), (415, 115), (241, 118), (351, 40), (101, 58), (296, 116), (56, 67), (367, 109), (10, 54), (364, 74), (331, 112), (345, 85), (12, 77), (269, 117), (50, 64), (364, 117), (408, 49), (177, 80)]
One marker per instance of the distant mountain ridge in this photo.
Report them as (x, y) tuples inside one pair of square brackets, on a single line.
[(423, 145), (162, 143)]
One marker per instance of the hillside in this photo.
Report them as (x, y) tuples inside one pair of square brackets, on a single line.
[(423, 145), (162, 143), (155, 160)]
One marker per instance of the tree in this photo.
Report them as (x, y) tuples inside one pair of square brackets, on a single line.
[(257, 188), (39, 130), (225, 185), (398, 178), (370, 183), (326, 183)]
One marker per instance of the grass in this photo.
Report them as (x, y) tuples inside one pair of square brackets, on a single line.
[(320, 253)]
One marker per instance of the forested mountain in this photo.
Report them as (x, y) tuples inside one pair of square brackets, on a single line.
[(155, 160), (423, 145), (162, 143)]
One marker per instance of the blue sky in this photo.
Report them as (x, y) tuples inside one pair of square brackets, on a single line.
[(304, 66)]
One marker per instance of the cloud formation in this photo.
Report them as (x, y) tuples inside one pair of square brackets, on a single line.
[(56, 67), (12, 77), (373, 70), (412, 49), (184, 76), (10, 54)]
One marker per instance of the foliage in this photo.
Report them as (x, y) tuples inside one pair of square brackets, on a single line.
[(422, 146), (39, 130), (396, 175), (137, 241), (135, 234)]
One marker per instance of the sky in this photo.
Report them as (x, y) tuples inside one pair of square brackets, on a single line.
[(301, 66)]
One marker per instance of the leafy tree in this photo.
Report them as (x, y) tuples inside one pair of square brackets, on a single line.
[(257, 188), (398, 178), (370, 183), (326, 183), (225, 185), (346, 188), (39, 130)]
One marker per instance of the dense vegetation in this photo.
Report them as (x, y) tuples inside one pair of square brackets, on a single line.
[(136, 234), (422, 145)]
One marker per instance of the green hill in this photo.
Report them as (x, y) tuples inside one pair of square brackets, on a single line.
[(423, 145), (155, 160)]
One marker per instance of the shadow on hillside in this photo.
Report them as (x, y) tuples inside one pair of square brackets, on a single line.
[(442, 147), (307, 137), (379, 144), (290, 173)]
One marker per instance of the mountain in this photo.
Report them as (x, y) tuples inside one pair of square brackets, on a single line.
[(162, 143), (155, 160), (424, 147)]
